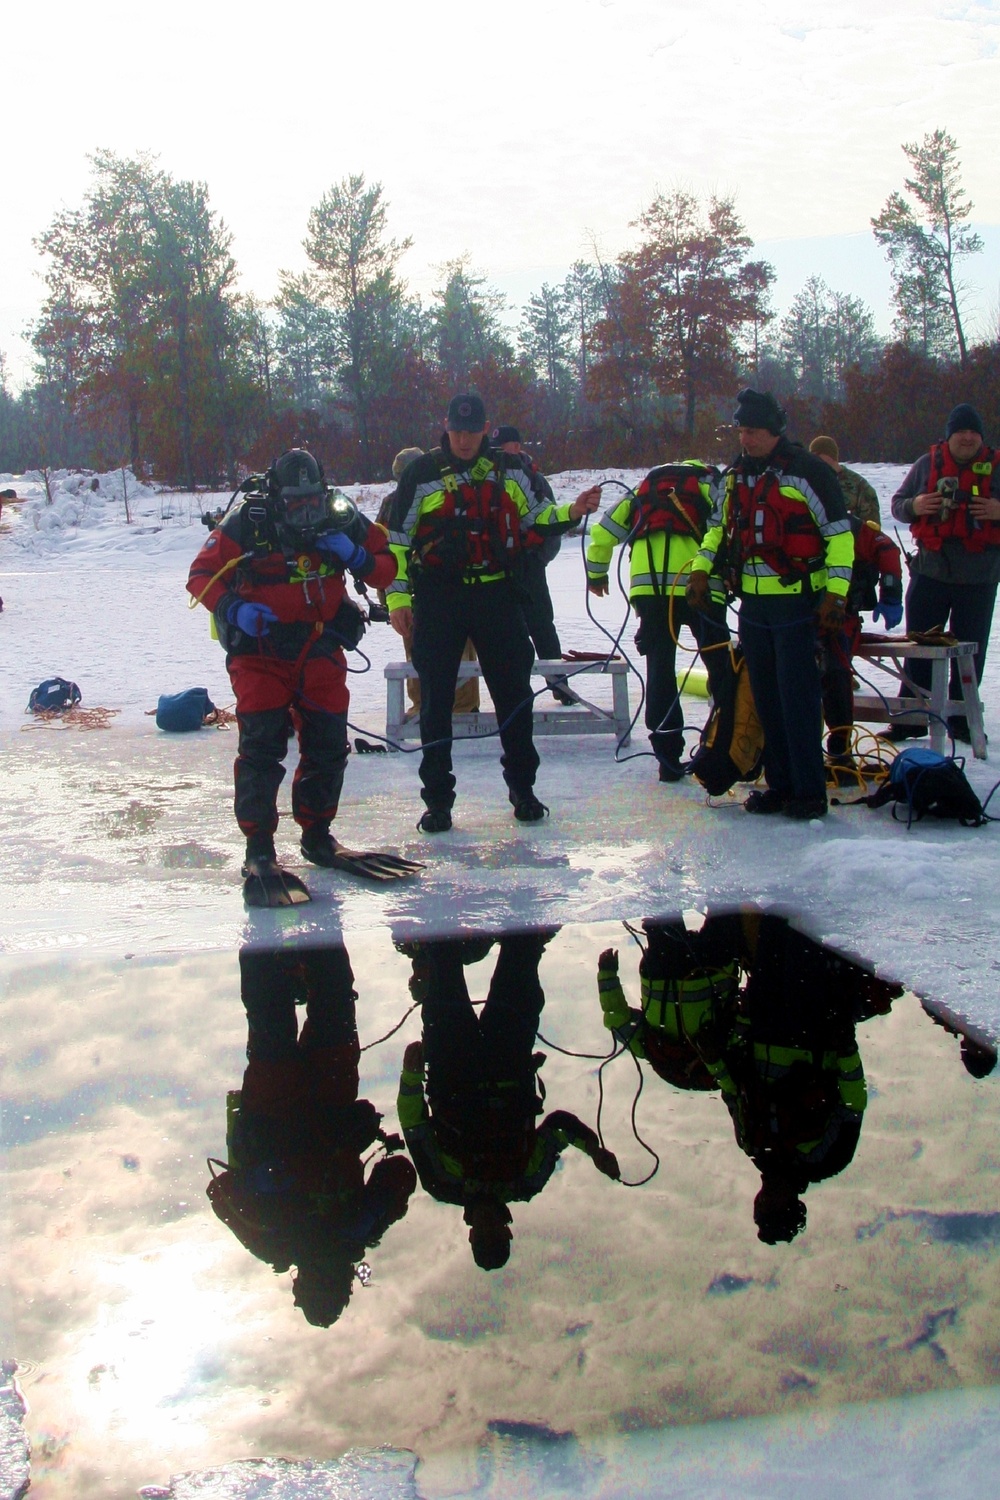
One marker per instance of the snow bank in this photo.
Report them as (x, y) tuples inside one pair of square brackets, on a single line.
[(80, 503)]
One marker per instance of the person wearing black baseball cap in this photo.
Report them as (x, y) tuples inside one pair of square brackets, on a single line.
[(457, 527), (951, 500)]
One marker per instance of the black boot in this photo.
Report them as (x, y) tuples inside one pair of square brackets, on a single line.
[(260, 849), (318, 845)]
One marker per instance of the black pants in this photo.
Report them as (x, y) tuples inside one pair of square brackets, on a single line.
[(968, 606), (836, 655), (464, 1052), (778, 636), (488, 614), (536, 602), (664, 715), (258, 771)]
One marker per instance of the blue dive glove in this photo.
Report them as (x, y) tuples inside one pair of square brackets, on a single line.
[(891, 614), (339, 544), (252, 619)]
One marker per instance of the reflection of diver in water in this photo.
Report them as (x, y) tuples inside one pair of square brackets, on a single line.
[(294, 1191), (469, 1093), (790, 1070), (689, 983)]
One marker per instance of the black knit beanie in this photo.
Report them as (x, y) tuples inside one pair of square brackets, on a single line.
[(759, 409), (964, 418)]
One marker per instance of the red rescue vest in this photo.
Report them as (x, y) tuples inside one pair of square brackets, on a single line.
[(477, 527), (973, 480), (671, 499), (776, 528)]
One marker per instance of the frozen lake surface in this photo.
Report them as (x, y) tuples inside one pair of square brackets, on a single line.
[(123, 1032)]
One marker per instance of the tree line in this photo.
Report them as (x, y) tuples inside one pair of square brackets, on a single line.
[(148, 353)]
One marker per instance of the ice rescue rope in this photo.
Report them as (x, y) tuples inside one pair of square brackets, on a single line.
[(695, 650), (570, 671), (616, 649), (233, 562), (617, 1050)]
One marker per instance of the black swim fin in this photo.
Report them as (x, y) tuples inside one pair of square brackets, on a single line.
[(265, 883), (367, 864)]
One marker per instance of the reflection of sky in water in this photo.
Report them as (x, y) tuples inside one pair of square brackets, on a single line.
[(152, 1360), (159, 1343)]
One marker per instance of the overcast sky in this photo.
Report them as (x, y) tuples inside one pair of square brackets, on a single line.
[(516, 133)]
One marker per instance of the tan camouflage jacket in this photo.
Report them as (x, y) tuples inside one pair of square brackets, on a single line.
[(860, 498)]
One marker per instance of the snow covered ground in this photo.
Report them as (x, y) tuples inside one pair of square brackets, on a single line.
[(122, 839), (120, 842)]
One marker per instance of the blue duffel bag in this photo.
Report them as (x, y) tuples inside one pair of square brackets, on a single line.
[(179, 713)]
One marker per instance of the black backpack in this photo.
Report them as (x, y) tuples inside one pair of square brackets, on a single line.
[(928, 783), (54, 693)]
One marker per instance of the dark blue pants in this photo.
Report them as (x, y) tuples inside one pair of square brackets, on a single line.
[(655, 641), (778, 636), (969, 607), (536, 603), (445, 616)]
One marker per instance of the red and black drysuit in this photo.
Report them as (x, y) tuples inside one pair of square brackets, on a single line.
[(295, 676), (298, 1139), (877, 578)]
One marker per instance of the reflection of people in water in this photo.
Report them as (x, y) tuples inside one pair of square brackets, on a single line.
[(689, 983), (468, 1094), (790, 1070), (979, 1056), (294, 1191)]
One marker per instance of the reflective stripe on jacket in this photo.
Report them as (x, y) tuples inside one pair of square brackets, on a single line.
[(424, 497), (661, 556), (781, 528)]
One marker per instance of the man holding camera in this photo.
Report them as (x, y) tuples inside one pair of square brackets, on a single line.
[(951, 499)]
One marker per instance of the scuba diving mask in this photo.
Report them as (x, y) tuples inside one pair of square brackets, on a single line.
[(296, 485)]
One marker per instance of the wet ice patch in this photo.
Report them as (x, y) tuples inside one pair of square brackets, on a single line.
[(192, 856)]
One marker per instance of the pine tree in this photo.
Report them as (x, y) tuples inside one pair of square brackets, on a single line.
[(924, 242), (581, 292), (356, 281), (468, 334), (142, 324), (545, 337), (306, 341), (821, 337)]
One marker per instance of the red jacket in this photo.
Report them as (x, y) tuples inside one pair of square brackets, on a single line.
[(244, 558), (973, 479), (877, 577)]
